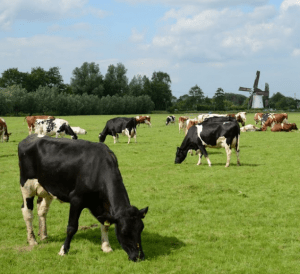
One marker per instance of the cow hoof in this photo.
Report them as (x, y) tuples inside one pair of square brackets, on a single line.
[(33, 242), (227, 166), (62, 251), (106, 248)]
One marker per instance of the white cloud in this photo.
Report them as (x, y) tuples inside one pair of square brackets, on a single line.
[(136, 36), (223, 3), (46, 10), (289, 3), (296, 52)]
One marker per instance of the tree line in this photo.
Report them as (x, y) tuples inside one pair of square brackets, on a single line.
[(87, 80), (91, 92)]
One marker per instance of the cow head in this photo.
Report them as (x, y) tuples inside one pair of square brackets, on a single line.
[(294, 126), (180, 156), (128, 228), (6, 137), (102, 138)]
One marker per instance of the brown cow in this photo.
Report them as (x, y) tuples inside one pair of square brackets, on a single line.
[(257, 117), (4, 135), (190, 123), (31, 120), (143, 120), (284, 127), (182, 122), (275, 119)]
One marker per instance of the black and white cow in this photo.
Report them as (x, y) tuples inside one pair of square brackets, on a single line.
[(213, 132), (265, 117), (86, 175), (51, 127), (170, 120), (126, 126)]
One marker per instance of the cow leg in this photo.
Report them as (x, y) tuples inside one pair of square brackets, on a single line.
[(43, 205), (200, 157), (27, 211), (228, 152), (75, 211), (105, 246)]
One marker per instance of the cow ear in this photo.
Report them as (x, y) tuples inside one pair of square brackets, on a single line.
[(106, 219), (143, 212)]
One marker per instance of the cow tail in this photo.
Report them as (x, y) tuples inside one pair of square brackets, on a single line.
[(237, 145)]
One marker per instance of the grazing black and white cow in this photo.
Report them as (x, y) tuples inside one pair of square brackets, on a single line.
[(126, 126), (213, 132), (86, 175), (170, 120), (51, 127)]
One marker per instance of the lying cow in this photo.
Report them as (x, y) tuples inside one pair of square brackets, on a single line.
[(4, 135), (91, 179), (31, 121), (170, 120), (143, 120), (250, 127), (275, 119), (79, 131), (284, 127), (224, 132), (126, 126), (50, 127)]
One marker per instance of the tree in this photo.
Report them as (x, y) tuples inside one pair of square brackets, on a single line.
[(219, 99), (161, 93), (12, 77), (136, 86), (115, 80), (32, 81), (197, 96), (87, 79)]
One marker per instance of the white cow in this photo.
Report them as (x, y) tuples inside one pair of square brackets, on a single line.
[(79, 131), (250, 128), (202, 117), (51, 127)]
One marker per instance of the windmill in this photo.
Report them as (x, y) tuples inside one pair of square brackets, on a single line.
[(256, 94)]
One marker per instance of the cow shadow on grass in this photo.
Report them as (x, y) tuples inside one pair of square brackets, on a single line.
[(154, 245)]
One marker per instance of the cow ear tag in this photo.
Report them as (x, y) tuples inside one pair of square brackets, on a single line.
[(107, 223)]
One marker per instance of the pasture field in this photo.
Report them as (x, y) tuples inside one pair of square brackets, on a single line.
[(241, 219)]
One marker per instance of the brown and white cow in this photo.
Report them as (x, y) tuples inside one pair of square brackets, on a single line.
[(284, 127), (4, 135), (143, 120), (182, 122), (241, 118), (190, 123), (257, 117), (31, 121), (275, 119)]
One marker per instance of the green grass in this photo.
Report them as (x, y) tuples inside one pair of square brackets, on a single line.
[(241, 219)]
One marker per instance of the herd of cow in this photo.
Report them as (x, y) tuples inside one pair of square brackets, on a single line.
[(86, 174)]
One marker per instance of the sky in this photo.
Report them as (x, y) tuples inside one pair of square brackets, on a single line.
[(210, 43)]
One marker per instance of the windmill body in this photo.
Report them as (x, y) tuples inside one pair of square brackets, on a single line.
[(256, 94)]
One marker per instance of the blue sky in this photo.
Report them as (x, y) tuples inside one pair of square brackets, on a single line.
[(211, 43)]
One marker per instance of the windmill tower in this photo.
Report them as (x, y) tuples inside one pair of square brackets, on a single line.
[(256, 94)]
